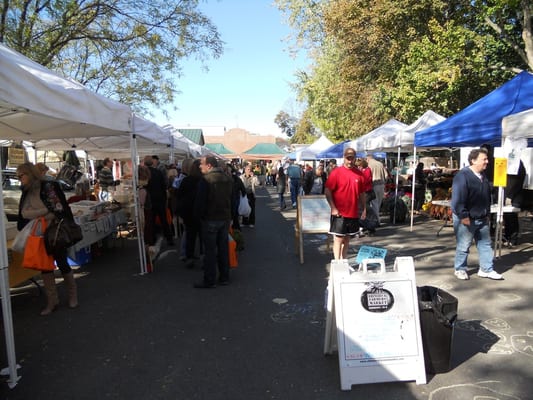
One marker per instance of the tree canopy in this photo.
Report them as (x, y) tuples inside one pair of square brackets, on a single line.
[(126, 50), (372, 61)]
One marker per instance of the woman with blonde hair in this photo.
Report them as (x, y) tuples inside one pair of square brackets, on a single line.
[(44, 198)]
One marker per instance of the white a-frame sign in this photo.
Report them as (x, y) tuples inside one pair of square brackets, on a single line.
[(374, 324)]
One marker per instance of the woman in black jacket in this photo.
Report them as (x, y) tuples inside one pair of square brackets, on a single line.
[(186, 197), (44, 198)]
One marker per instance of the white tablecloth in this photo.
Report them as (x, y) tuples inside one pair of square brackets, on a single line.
[(94, 231)]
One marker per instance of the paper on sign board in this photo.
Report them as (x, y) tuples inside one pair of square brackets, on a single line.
[(366, 252)]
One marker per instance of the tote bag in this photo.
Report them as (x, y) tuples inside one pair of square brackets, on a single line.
[(244, 207), (35, 255)]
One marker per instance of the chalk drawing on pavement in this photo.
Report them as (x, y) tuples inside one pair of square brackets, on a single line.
[(290, 312), (486, 390), (496, 323), (509, 297), (523, 343)]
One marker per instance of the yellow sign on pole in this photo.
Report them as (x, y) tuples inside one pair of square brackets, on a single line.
[(500, 172)]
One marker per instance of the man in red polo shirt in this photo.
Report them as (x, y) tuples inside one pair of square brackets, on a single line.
[(346, 197)]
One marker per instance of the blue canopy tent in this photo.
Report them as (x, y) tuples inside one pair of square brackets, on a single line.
[(481, 122), (335, 151)]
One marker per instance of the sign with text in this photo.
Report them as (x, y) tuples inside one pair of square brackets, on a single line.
[(313, 216), (366, 252), (15, 156), (376, 320)]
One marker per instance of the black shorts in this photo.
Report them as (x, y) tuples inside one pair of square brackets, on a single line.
[(343, 226)]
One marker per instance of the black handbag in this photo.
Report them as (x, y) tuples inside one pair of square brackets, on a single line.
[(61, 233)]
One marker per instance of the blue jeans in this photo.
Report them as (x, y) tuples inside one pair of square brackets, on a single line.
[(479, 230), (215, 238), (295, 186)]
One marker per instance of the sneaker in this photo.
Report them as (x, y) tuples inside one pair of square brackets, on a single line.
[(293, 205), (491, 275), (462, 274), (251, 225)]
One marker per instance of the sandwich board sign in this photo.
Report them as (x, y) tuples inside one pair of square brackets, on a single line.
[(374, 324), (313, 215)]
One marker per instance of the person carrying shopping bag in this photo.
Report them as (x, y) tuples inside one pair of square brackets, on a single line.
[(44, 198)]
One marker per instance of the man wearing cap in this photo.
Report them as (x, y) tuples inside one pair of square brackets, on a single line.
[(346, 197)]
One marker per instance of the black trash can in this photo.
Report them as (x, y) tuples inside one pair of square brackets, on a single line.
[(438, 312)]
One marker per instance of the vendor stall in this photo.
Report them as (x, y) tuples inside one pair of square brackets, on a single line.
[(37, 104), (98, 220)]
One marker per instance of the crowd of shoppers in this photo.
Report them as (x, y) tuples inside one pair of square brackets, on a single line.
[(204, 196)]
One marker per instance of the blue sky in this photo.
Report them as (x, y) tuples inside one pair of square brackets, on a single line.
[(249, 84)]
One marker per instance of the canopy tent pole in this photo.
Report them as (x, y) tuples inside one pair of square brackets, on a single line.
[(396, 186), (135, 180), (6, 301), (413, 190), (498, 237), (171, 155)]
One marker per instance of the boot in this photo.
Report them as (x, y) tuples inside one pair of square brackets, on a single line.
[(72, 289), (52, 300)]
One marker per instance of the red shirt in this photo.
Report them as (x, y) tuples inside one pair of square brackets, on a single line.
[(346, 185)]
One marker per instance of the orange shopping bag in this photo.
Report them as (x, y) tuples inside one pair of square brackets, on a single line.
[(232, 251), (35, 255)]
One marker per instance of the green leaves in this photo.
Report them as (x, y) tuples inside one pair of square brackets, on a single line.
[(382, 59), (127, 50)]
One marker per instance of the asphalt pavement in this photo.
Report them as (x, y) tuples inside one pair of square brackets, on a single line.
[(262, 337)]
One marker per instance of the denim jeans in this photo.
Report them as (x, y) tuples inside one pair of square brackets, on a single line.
[(479, 230), (295, 186), (215, 238), (379, 190)]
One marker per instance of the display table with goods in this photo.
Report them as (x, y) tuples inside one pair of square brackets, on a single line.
[(98, 220), (448, 203)]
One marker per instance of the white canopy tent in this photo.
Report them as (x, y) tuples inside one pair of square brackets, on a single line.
[(403, 139), (397, 138), (310, 152), (37, 104), (519, 125), (389, 128), (150, 137), (195, 150)]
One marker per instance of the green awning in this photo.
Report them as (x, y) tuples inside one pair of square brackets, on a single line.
[(271, 149), (219, 148)]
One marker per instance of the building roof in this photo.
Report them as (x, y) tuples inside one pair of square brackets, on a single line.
[(194, 135)]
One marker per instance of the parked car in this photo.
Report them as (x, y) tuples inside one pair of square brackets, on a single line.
[(12, 192)]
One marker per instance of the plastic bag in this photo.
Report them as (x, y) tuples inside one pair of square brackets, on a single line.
[(244, 207), (19, 243)]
